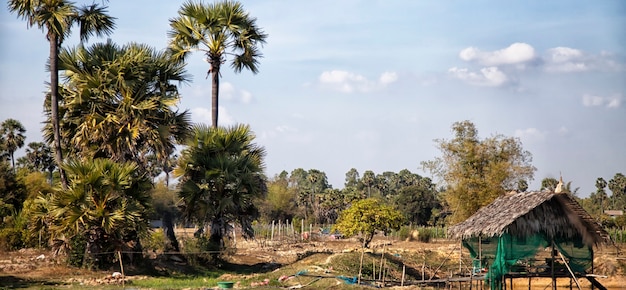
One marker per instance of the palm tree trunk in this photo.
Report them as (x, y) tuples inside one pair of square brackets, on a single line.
[(54, 104), (168, 228), (215, 71), (13, 162)]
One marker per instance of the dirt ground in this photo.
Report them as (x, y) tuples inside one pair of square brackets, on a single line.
[(29, 267)]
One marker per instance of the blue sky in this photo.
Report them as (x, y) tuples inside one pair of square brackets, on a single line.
[(370, 84)]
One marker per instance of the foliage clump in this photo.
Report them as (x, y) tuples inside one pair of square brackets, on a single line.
[(475, 172), (366, 217)]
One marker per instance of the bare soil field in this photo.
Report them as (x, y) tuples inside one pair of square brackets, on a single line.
[(272, 260)]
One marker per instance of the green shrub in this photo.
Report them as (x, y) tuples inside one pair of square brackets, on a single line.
[(155, 241), (404, 232), (10, 239), (76, 252), (425, 235)]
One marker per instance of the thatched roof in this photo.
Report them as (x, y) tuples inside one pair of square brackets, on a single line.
[(556, 215)]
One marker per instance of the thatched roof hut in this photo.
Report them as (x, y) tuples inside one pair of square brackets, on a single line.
[(555, 215)]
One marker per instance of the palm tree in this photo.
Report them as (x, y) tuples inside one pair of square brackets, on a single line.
[(218, 30), (106, 202), (12, 133), (56, 18), (221, 174), (118, 102)]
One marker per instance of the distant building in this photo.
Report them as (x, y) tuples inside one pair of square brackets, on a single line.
[(614, 213)]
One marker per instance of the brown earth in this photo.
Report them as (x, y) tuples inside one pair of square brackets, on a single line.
[(30, 267)]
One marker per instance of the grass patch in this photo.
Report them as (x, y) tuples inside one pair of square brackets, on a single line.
[(176, 282)]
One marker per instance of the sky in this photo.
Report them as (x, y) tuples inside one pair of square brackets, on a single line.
[(371, 84)]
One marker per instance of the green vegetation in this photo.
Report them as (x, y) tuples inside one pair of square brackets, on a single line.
[(221, 174), (366, 217)]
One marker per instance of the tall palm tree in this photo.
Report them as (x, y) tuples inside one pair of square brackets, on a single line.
[(119, 103), (56, 18), (12, 132), (218, 30), (221, 174), (106, 202)]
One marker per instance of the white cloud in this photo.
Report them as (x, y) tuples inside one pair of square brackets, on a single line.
[(487, 77), (348, 82), (530, 134), (388, 77), (230, 93), (203, 115), (567, 60), (611, 102), (516, 53)]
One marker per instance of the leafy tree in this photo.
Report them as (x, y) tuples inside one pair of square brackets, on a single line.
[(280, 203), (56, 18), (475, 171), (12, 133), (367, 216), (417, 202), (549, 183), (221, 172), (35, 184), (38, 158), (218, 30), (12, 192), (352, 178), (106, 202)]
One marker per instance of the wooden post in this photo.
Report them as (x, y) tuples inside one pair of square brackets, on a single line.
[(552, 274), (480, 253), (361, 265), (382, 258), (374, 269), (301, 229), (403, 272), (119, 256), (272, 236)]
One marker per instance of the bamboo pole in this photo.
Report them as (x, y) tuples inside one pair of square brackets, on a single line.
[(570, 271)]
